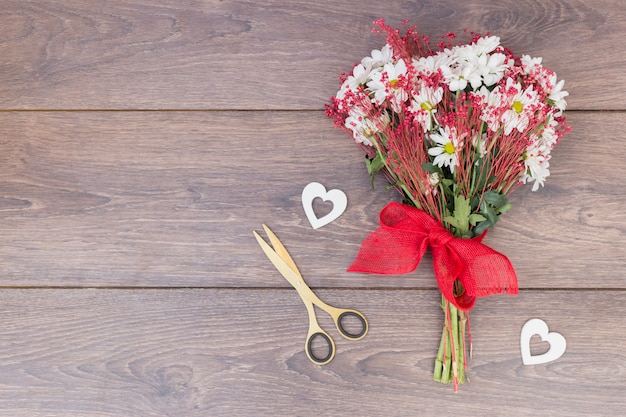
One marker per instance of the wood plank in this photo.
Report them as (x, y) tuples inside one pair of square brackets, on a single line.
[(240, 352), (210, 54), (171, 199), (130, 282)]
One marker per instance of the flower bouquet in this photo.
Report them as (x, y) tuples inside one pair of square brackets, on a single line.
[(454, 129)]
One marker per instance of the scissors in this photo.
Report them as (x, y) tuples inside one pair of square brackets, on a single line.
[(287, 267)]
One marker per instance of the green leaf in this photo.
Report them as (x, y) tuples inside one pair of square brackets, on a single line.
[(492, 205), (460, 218), (481, 227), (505, 208), (452, 221), (461, 208), (488, 211), (495, 199), (430, 167), (476, 218), (374, 165), (474, 203)]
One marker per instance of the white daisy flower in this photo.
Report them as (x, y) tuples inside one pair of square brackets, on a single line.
[(516, 117), (386, 85), (427, 65), (423, 105), (492, 67), (537, 164), (445, 149), (557, 95), (378, 58), (548, 135), (530, 65), (486, 44), (359, 77), (364, 128), (490, 112), (465, 53), (458, 77)]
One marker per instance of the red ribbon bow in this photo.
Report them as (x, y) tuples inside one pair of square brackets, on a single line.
[(401, 241)]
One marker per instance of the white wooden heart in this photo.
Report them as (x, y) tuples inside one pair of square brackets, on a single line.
[(539, 327), (316, 190)]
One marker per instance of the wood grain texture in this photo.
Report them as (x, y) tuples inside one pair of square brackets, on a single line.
[(171, 199), (240, 353), (130, 282), (211, 54)]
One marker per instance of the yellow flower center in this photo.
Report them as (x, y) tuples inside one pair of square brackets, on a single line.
[(518, 107), (449, 148), (427, 105), (394, 84)]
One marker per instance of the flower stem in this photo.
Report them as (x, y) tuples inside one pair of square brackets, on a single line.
[(450, 362), (439, 360)]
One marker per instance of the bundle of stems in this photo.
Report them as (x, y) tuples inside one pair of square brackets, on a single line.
[(451, 360)]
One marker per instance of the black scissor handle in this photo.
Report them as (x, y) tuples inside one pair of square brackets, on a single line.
[(309, 348), (345, 333)]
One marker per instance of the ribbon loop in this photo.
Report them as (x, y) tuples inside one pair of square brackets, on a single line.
[(401, 241)]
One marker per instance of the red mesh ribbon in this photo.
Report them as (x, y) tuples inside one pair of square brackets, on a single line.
[(401, 241)]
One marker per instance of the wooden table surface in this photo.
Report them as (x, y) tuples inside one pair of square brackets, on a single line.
[(143, 141)]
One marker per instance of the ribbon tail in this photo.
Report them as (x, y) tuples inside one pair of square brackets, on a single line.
[(490, 274), (480, 270)]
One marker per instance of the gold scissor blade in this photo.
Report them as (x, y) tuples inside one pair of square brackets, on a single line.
[(280, 249), (283, 267)]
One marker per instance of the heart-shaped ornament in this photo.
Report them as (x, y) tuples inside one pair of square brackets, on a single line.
[(539, 327), (316, 190)]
